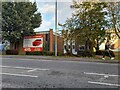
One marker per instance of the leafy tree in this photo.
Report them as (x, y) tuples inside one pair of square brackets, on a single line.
[(92, 21), (68, 32), (88, 23), (0, 21), (18, 20), (114, 16)]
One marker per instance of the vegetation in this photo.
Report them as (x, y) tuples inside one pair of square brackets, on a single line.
[(114, 14), (89, 22), (45, 53), (18, 20)]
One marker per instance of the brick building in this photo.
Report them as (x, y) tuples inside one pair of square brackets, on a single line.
[(49, 41)]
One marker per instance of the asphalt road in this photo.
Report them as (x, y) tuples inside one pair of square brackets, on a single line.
[(36, 73)]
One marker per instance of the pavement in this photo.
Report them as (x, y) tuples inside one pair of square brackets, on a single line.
[(62, 58)]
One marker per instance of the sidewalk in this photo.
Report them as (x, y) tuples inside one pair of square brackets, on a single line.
[(62, 58)]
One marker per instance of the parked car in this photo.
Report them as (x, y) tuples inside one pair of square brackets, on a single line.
[(37, 42), (2, 47)]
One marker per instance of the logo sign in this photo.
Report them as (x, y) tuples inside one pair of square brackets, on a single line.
[(33, 43)]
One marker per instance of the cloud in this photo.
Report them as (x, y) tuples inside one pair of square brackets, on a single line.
[(47, 8), (66, 12), (48, 14), (46, 25)]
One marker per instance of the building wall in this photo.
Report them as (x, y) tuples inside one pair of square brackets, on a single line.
[(49, 40)]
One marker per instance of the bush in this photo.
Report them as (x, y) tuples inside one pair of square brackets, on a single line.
[(46, 53), (85, 53), (61, 54), (99, 52), (11, 52), (34, 53)]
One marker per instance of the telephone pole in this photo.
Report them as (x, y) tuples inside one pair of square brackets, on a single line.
[(56, 27)]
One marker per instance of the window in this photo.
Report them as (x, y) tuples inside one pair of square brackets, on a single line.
[(64, 46), (73, 46), (46, 37), (38, 40), (69, 46)]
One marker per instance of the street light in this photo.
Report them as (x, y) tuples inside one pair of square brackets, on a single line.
[(56, 28)]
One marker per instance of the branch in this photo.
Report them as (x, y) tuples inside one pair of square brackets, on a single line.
[(117, 32)]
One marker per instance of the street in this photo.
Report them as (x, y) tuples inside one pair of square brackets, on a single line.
[(36, 73)]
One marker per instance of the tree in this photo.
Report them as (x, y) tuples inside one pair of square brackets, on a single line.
[(92, 21), (114, 16), (88, 21), (68, 32), (18, 20)]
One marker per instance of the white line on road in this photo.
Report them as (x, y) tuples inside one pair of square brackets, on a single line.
[(37, 69), (19, 75), (108, 84), (16, 67), (24, 68), (32, 70), (101, 74)]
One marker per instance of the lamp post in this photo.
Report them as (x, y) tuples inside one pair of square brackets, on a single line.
[(56, 27)]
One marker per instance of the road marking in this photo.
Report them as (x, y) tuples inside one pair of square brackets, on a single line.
[(19, 75), (25, 68), (105, 75), (37, 69), (32, 70), (16, 67), (108, 84)]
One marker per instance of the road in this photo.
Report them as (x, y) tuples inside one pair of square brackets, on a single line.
[(36, 73)]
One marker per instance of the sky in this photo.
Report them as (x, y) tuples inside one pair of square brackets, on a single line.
[(47, 10)]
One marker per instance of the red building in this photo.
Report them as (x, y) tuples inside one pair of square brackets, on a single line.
[(43, 41)]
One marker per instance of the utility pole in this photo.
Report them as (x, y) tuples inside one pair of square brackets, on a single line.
[(56, 27)]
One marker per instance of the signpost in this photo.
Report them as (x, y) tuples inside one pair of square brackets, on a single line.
[(33, 43)]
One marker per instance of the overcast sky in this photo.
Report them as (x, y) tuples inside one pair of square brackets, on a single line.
[(47, 10)]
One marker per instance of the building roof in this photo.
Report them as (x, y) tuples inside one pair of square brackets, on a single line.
[(43, 32)]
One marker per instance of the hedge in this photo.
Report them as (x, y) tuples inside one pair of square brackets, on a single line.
[(11, 52), (46, 53), (85, 53)]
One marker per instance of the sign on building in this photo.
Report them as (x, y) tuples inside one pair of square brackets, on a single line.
[(33, 43)]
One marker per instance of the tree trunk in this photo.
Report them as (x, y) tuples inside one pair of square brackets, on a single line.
[(71, 47), (87, 45), (97, 48), (20, 47), (12, 45)]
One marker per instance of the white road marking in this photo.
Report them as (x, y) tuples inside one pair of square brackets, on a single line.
[(105, 75), (37, 69), (32, 70), (25, 68), (19, 75), (16, 67), (108, 84)]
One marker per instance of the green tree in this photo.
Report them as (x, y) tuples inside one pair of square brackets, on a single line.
[(114, 16), (18, 20), (68, 32), (88, 23)]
